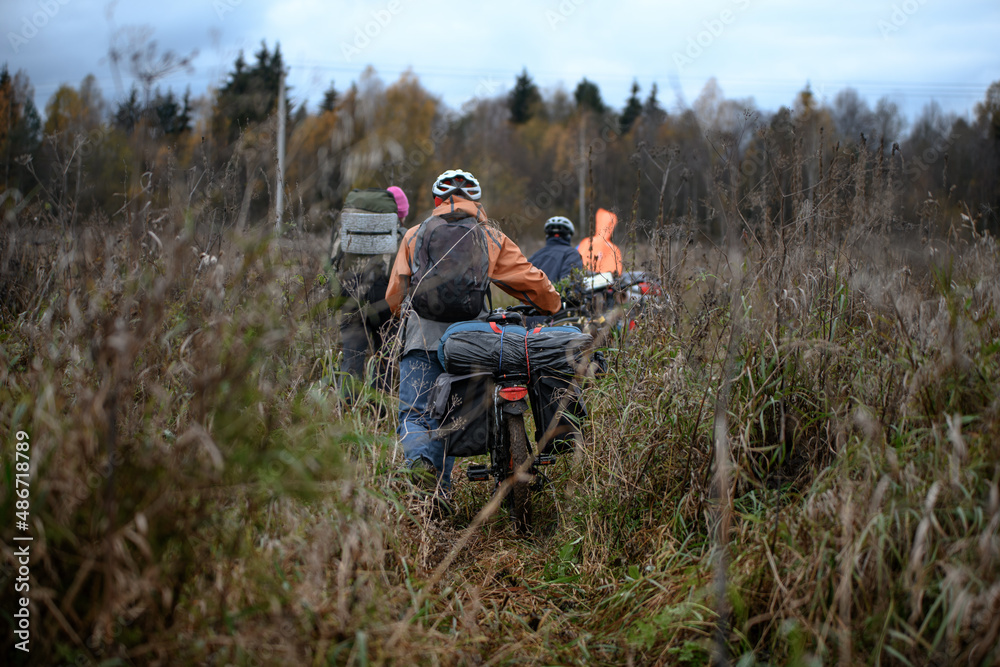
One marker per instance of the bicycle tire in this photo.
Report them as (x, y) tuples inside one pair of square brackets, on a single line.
[(519, 497)]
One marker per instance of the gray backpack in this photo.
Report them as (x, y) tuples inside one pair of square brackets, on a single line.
[(450, 267), (368, 223)]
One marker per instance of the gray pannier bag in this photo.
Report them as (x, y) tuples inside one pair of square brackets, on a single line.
[(461, 405), (368, 223)]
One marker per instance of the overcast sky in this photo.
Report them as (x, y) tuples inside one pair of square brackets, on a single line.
[(910, 50)]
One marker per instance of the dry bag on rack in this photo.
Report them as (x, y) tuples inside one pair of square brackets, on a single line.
[(468, 347)]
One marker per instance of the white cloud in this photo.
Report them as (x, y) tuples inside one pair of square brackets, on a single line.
[(767, 48)]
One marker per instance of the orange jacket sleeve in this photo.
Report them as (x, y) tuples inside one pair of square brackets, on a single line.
[(515, 275)]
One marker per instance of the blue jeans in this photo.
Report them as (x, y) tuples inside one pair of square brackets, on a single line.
[(418, 369)]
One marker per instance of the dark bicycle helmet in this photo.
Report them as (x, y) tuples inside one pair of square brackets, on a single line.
[(559, 224)]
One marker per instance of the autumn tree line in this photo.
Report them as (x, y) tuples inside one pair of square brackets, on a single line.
[(158, 154)]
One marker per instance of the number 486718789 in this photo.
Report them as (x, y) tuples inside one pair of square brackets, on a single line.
[(23, 467)]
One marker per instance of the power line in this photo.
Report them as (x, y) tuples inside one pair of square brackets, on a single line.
[(949, 88), (913, 91)]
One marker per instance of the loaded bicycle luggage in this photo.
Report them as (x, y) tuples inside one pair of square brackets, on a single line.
[(491, 368)]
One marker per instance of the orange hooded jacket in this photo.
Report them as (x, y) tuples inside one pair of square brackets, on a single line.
[(508, 267), (599, 254)]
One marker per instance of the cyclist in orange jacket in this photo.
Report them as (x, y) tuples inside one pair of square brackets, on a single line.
[(419, 366), (599, 254)]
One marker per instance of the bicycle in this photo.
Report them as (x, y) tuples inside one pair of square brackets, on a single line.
[(513, 460), (594, 298)]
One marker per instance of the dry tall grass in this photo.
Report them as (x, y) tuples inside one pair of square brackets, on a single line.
[(200, 495)]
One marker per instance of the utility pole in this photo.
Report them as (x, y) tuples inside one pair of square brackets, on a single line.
[(279, 200), (583, 178)]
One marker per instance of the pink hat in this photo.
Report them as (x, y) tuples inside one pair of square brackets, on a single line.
[(402, 203)]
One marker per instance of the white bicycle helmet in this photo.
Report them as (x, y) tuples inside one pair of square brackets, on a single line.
[(557, 221), (457, 181)]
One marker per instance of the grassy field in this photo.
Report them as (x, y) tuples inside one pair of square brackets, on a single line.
[(793, 462)]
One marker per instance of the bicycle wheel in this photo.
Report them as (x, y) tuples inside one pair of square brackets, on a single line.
[(519, 497)]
